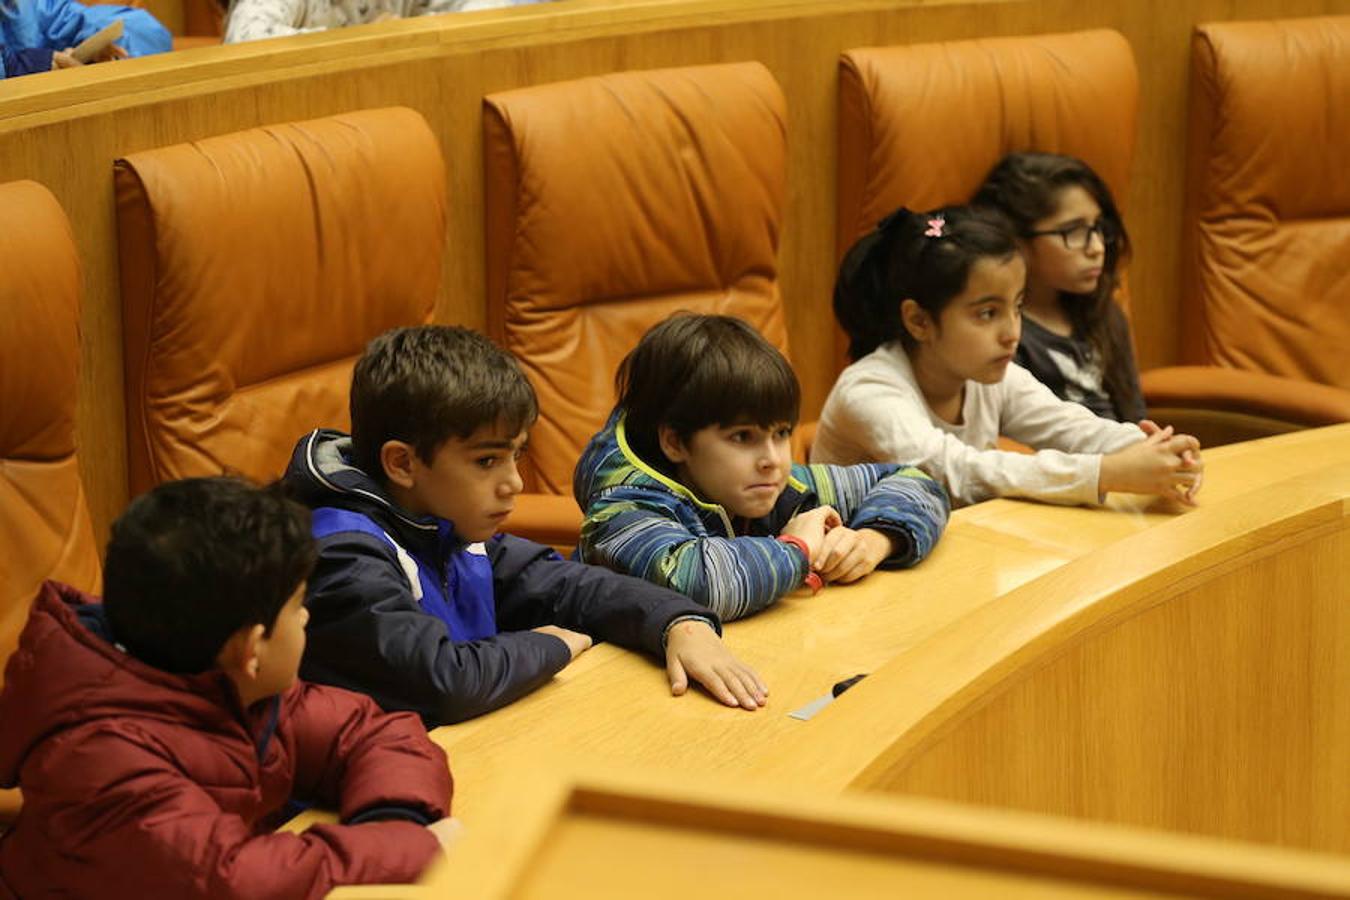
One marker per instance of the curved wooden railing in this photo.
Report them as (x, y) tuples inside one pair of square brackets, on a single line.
[(1190, 677)]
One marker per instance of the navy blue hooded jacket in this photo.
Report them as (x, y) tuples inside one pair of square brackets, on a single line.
[(403, 610)]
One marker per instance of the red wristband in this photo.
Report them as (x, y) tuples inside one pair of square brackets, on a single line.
[(812, 579)]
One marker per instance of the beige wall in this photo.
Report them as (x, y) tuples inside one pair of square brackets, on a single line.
[(65, 130)]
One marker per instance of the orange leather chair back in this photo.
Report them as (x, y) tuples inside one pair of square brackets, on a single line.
[(255, 267), (613, 202), (44, 523), (922, 125), (1267, 265)]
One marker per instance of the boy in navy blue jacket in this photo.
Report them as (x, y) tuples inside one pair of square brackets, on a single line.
[(417, 599)]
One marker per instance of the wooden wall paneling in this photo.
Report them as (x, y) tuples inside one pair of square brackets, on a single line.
[(65, 129)]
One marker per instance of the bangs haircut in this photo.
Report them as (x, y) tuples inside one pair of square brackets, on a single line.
[(427, 384), (692, 371), (193, 561)]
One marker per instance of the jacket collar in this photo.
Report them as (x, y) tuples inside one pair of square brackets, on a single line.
[(322, 472), (618, 461)]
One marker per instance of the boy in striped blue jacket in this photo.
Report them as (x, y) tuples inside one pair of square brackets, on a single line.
[(691, 483)]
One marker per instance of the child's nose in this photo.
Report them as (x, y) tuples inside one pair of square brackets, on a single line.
[(513, 483), (774, 455)]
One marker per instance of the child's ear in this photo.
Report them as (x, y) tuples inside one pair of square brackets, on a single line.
[(239, 657), (396, 458), (670, 444), (916, 320)]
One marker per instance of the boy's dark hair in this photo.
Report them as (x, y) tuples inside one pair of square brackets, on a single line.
[(901, 260), (1025, 187), (692, 371), (427, 384), (192, 562)]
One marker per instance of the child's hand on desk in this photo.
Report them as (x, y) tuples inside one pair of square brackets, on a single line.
[(1190, 461), (694, 650), (811, 526), (847, 555), (1164, 463), (576, 642), (61, 59)]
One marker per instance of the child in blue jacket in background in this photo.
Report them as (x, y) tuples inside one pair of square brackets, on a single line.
[(34, 34), (691, 483)]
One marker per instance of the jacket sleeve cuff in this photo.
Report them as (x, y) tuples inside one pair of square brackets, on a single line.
[(708, 619), (25, 61), (390, 814)]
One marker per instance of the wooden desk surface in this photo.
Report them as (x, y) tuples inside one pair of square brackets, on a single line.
[(613, 705)]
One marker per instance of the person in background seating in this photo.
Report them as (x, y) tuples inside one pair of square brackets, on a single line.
[(249, 20), (35, 35), (1075, 338)]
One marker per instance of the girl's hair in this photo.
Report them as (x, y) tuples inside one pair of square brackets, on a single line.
[(1025, 187), (692, 371), (924, 257)]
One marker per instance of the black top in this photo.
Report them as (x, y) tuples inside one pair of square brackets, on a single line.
[(1070, 367)]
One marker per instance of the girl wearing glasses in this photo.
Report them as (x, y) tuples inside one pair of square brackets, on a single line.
[(932, 303), (1075, 339)]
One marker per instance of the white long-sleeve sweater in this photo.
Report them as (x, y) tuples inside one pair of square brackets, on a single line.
[(249, 20), (876, 413)]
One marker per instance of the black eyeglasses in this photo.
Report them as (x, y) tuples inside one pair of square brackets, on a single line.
[(1077, 237)]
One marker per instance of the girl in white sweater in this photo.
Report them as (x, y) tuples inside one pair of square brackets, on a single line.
[(932, 306)]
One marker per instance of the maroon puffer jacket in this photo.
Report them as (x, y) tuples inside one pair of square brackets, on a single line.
[(140, 783)]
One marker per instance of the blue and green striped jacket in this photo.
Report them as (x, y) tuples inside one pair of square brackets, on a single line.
[(641, 522)]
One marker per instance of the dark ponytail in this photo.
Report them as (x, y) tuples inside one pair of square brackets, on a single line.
[(911, 256)]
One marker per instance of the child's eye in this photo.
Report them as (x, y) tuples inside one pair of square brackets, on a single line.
[(986, 314), (740, 437), (486, 462), (520, 452), (783, 433)]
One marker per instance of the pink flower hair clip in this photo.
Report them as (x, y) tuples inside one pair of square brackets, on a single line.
[(935, 226)]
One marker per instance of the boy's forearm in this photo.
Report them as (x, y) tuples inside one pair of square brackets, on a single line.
[(486, 675), (620, 609), (913, 510)]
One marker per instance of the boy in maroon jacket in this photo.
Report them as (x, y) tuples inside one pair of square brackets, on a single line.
[(158, 736)]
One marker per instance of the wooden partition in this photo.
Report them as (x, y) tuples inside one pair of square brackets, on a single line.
[(638, 834), (65, 129), (612, 705), (1191, 677), (1135, 664)]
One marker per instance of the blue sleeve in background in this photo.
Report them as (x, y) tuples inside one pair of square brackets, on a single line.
[(142, 34), (59, 24), (23, 61)]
